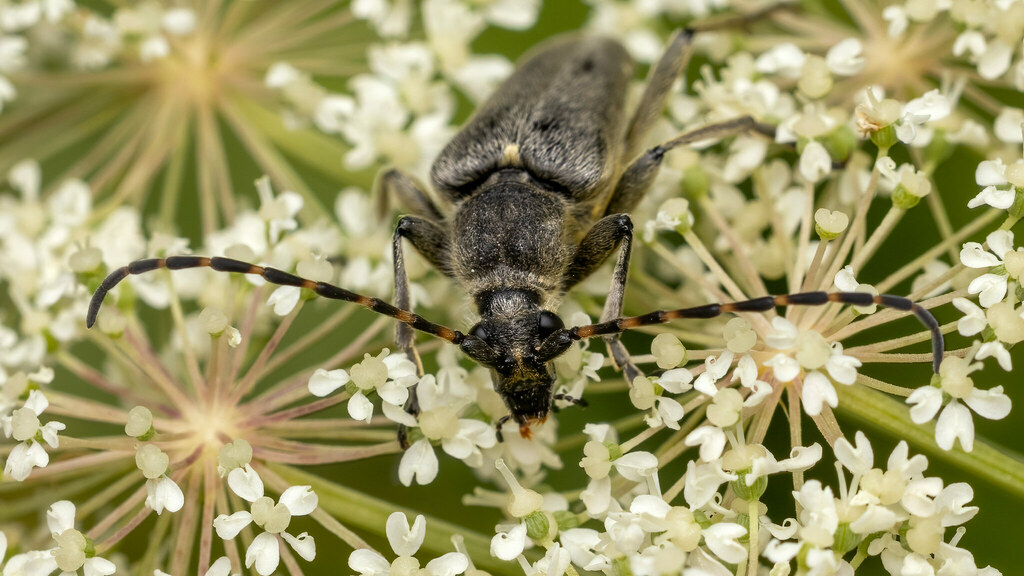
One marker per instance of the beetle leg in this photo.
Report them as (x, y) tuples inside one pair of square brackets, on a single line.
[(637, 178), (429, 240), (659, 83), (608, 233), (410, 193)]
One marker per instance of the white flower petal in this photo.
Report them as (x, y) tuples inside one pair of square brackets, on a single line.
[(449, 564), (303, 544), (284, 299), (265, 553), (418, 462), (816, 392), (97, 566), (164, 493), (990, 288), (721, 539), (299, 500), (60, 516), (925, 403), (368, 563), (246, 483), (954, 423), (509, 545), (991, 404), (711, 440), (228, 527), (846, 58), (220, 567), (405, 540), (359, 407), (323, 382), (637, 466), (974, 255)]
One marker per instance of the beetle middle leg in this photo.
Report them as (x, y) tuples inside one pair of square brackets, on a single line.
[(639, 175), (637, 178), (611, 232)]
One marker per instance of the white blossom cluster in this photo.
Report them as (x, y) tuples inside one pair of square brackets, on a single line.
[(401, 113), (32, 31)]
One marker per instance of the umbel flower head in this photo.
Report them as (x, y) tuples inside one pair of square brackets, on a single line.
[(217, 424)]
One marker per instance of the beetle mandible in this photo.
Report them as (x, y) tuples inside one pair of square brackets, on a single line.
[(535, 192)]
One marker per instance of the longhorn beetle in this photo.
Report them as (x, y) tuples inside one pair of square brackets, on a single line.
[(535, 193)]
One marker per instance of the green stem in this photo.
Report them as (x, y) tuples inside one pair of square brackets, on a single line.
[(995, 464)]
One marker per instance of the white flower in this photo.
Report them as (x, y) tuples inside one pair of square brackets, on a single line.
[(846, 282), (274, 518), (390, 375), (554, 563), (955, 423), (991, 287), (71, 553), (418, 462), (815, 162), (702, 482), (1000, 183), (509, 545), (846, 58), (1009, 125), (405, 541), (664, 410), (722, 539), (715, 367), (23, 426), (277, 211)]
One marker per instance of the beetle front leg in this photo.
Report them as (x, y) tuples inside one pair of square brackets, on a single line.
[(612, 231), (429, 240), (410, 193)]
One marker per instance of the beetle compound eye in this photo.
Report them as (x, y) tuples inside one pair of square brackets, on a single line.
[(478, 332), (548, 323)]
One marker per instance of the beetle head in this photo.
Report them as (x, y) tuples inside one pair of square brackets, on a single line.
[(518, 344)]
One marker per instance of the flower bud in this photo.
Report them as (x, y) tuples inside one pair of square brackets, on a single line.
[(1006, 322), (24, 424), (213, 321), (316, 270), (371, 372), (140, 423), (815, 77), (668, 351), (828, 224), (739, 336), (86, 260), (111, 322), (538, 526), (151, 460), (725, 409), (677, 210), (1014, 263), (233, 455), (913, 186)]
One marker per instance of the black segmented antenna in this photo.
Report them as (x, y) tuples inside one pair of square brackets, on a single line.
[(274, 276), (762, 304), (766, 303)]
